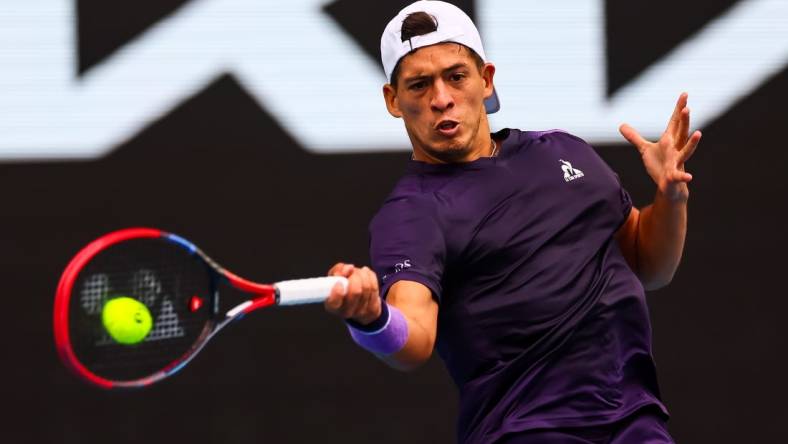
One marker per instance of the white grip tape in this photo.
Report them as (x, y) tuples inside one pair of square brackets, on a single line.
[(307, 291)]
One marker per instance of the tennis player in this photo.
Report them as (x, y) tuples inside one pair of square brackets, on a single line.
[(517, 254)]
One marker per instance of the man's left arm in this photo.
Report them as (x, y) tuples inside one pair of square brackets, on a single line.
[(652, 239)]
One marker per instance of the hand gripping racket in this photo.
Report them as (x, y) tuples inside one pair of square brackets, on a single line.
[(136, 305)]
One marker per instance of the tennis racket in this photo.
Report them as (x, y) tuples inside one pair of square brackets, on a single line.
[(136, 305)]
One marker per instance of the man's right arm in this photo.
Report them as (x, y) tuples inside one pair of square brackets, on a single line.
[(415, 301), (362, 302)]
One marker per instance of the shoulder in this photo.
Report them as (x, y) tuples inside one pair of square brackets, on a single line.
[(555, 136), (546, 149), (520, 141)]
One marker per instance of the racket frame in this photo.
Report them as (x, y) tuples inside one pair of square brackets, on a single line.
[(265, 295)]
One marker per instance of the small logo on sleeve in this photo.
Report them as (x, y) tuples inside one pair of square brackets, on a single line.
[(570, 173), (399, 266)]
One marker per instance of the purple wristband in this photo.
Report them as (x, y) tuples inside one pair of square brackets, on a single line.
[(388, 339)]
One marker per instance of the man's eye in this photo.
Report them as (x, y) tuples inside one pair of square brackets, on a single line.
[(418, 85), (457, 77)]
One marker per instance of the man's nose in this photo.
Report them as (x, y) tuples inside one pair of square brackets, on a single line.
[(441, 98)]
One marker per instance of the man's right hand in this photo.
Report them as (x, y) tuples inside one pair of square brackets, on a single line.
[(362, 304), (362, 301)]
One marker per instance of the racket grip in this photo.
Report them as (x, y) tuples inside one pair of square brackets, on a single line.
[(307, 291)]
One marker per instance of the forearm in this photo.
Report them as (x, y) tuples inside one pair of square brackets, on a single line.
[(421, 313), (662, 228), (417, 349)]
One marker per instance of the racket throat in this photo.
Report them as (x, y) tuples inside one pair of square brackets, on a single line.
[(253, 304)]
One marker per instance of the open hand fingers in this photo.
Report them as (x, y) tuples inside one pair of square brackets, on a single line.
[(633, 137), (679, 176), (676, 117), (682, 131), (689, 147)]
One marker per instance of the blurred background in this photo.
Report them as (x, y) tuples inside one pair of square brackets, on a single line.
[(257, 130)]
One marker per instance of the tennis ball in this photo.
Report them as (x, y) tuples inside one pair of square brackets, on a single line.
[(127, 320)]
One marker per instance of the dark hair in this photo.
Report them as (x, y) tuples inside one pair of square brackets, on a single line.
[(421, 23), (418, 23)]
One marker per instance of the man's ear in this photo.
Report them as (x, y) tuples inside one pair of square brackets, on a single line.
[(488, 73), (392, 104)]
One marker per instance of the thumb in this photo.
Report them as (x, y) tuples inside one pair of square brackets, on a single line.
[(335, 299), (633, 136)]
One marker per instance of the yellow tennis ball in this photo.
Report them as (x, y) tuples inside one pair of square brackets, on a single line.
[(127, 320)]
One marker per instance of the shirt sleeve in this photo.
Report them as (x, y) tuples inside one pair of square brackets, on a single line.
[(406, 243), (626, 200)]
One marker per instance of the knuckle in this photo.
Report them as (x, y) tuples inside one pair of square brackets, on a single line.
[(334, 269), (355, 283)]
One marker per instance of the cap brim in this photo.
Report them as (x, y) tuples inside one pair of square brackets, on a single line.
[(492, 104)]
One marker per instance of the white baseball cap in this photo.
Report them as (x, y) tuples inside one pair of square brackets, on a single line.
[(453, 26)]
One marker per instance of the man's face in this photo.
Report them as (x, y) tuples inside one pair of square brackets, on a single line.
[(440, 96)]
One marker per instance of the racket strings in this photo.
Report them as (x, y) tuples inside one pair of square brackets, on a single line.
[(162, 276)]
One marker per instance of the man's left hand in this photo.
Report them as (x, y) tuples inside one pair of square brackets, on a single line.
[(664, 160)]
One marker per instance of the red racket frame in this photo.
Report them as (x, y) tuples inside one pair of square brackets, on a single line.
[(265, 296)]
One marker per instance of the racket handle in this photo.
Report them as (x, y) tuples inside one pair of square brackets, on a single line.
[(307, 291)]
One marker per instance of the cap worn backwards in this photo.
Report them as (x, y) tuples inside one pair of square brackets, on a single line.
[(453, 26)]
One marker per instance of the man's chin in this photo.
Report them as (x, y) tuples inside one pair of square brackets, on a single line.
[(449, 154)]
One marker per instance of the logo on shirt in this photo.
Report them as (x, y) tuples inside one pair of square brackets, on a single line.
[(399, 266), (570, 173)]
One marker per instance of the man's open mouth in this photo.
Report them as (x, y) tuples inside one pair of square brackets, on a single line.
[(448, 127)]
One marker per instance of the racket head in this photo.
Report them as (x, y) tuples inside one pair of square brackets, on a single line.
[(170, 277)]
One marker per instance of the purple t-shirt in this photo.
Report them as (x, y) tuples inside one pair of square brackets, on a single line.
[(541, 321)]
